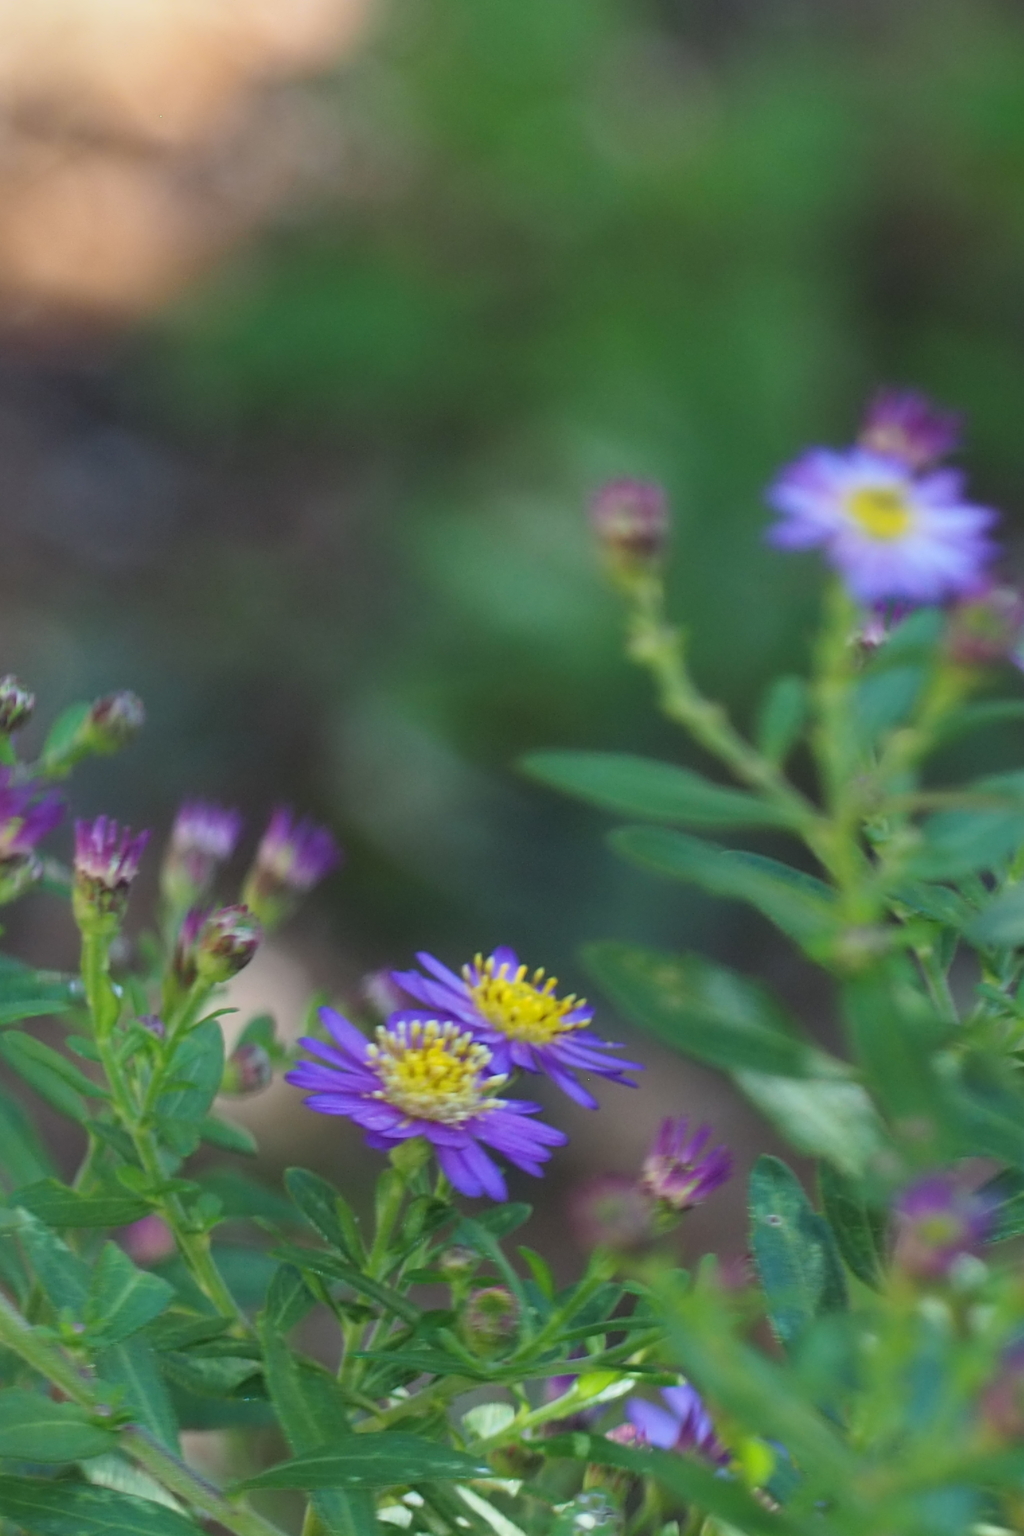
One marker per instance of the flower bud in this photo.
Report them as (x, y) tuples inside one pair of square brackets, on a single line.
[(458, 1263), (631, 521), (678, 1173), (986, 628), (16, 705), (202, 838), (292, 857), (226, 943), (247, 1070), (490, 1318), (516, 1460), (114, 721), (148, 1240), (617, 1482), (106, 862), (904, 425)]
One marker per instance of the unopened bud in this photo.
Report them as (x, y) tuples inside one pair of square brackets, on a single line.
[(106, 862), (458, 1263), (631, 520), (491, 1317), (515, 1460), (16, 705), (226, 943), (617, 1482), (612, 1212), (114, 721), (248, 1070)]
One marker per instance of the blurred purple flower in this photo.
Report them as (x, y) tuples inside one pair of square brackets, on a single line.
[(631, 519), (425, 1077), (520, 1018), (613, 1212), (203, 836), (938, 1221), (682, 1425), (678, 1172), (890, 534), (293, 856), (26, 816), (903, 424)]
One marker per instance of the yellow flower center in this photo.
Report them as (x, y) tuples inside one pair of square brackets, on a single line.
[(433, 1071), (521, 1009), (881, 510)]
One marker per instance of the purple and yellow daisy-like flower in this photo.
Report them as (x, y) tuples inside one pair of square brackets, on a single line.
[(521, 1019), (892, 534), (683, 1424), (422, 1076), (939, 1221)]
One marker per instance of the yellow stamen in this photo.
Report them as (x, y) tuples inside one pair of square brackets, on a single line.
[(433, 1071), (881, 510), (522, 1009)]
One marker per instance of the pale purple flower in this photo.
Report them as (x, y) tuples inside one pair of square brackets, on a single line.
[(940, 1220), (986, 627), (891, 535), (293, 856), (631, 519), (422, 1076), (684, 1424), (612, 1211), (25, 816), (203, 836), (679, 1171), (521, 1019), (108, 854), (903, 424)]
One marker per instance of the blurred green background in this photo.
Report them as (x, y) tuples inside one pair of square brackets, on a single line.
[(324, 512)]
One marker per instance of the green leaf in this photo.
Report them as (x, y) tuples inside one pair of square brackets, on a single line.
[(245, 1198), (62, 1274), (699, 1008), (63, 734), (684, 1477), (977, 717), (828, 1117), (938, 903), (312, 1411), (211, 1376), (288, 1299), (1000, 924), (502, 1220), (641, 786), (23, 1159), (58, 1206), (315, 1261), (958, 843), (26, 993), (371, 1461), (53, 1077), (794, 1251), (35, 1428), (326, 1211), (1006, 1191), (260, 1030), (797, 903), (858, 1230), (884, 699), (782, 717), (228, 1136), (48, 1508), (132, 1367), (197, 1070), (122, 1298)]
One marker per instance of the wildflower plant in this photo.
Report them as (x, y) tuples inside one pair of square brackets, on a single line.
[(410, 1364)]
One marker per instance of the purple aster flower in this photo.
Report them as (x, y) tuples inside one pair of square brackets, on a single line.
[(422, 1076), (891, 535), (986, 627), (203, 836), (903, 424), (25, 816), (521, 1019), (678, 1171), (630, 518), (684, 1424), (938, 1221), (293, 856), (106, 862)]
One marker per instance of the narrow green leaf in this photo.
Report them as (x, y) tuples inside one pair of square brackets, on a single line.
[(884, 699), (958, 843), (132, 1367), (828, 1117), (58, 1206), (211, 1376), (313, 1412), (641, 786), (62, 1274), (62, 735), (228, 1136), (27, 994), (701, 1009), (1006, 1191), (288, 1299), (782, 717), (794, 1251), (123, 1298), (371, 1461), (1000, 924), (198, 1067), (858, 1230), (799, 905), (35, 1428), (49, 1073), (971, 718), (49, 1508), (326, 1211), (23, 1159)]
